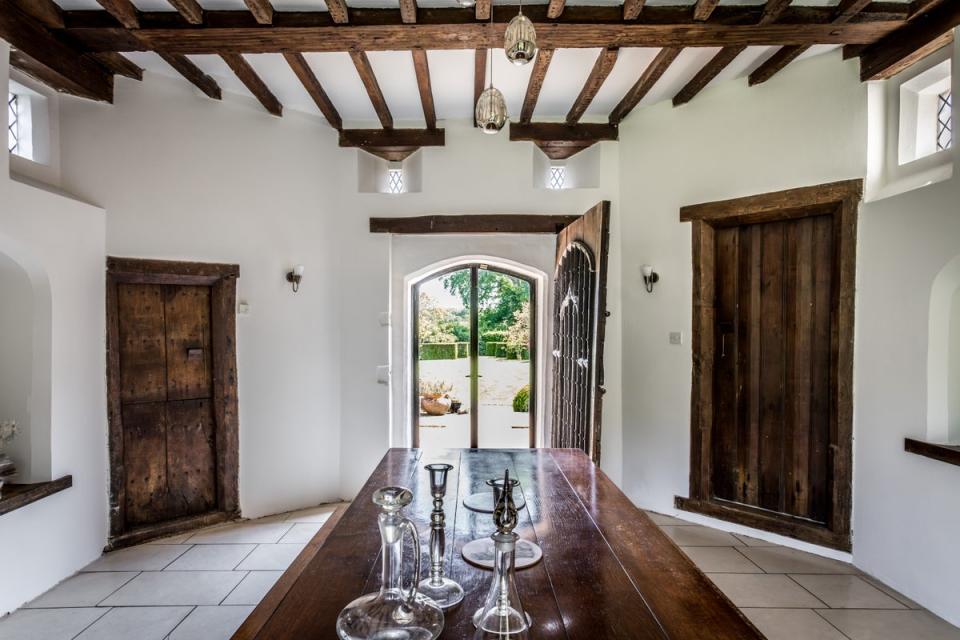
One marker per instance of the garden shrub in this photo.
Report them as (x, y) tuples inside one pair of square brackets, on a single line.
[(521, 401)]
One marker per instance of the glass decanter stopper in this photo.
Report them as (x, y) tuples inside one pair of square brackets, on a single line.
[(394, 613), (502, 615), (442, 590)]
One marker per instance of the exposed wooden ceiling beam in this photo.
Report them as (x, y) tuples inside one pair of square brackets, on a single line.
[(38, 53), (648, 78), (539, 73), (408, 11), (46, 12), (252, 81), (632, 9), (338, 11), (555, 8), (482, 10), (192, 73), (923, 33), (560, 141), (119, 64), (703, 8), (391, 144), (189, 9), (422, 68), (262, 10), (601, 69), (382, 30), (303, 71), (369, 79), (771, 12), (479, 76), (474, 223), (123, 11), (846, 11)]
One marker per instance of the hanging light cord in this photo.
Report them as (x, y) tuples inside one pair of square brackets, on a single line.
[(489, 49)]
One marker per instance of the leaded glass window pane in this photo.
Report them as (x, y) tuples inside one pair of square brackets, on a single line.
[(395, 184), (558, 177), (944, 121), (13, 123)]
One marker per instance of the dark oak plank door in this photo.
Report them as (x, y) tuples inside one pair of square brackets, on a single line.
[(169, 442), (579, 327), (775, 289)]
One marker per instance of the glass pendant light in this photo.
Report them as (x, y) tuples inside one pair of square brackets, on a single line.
[(520, 39), (491, 108)]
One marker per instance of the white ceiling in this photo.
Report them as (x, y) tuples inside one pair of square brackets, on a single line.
[(451, 72)]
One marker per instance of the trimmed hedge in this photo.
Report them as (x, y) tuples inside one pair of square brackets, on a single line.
[(443, 350), (521, 401)]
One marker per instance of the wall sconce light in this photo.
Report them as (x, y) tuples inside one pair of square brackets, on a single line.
[(295, 276), (650, 277)]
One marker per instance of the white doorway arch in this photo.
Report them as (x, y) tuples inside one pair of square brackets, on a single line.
[(943, 356)]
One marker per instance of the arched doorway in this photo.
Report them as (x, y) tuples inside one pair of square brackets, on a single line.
[(474, 354)]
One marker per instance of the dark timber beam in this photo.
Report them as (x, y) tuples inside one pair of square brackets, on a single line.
[(479, 77), (601, 69), (252, 81), (632, 9), (924, 34), (703, 8), (119, 64), (338, 11), (123, 11), (189, 9), (555, 8), (560, 141), (408, 11), (650, 76), (383, 30), (535, 84), (46, 12), (262, 10), (482, 10), (771, 11), (192, 73), (846, 11), (38, 53), (303, 71), (422, 68), (475, 223), (391, 144), (369, 79)]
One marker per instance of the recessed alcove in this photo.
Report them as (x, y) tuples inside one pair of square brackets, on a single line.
[(377, 175)]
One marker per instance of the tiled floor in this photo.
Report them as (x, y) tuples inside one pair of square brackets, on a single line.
[(201, 586), (792, 595)]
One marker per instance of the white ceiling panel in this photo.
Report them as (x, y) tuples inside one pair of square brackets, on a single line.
[(282, 82), (398, 81), (630, 65), (339, 78), (679, 74), (451, 74), (568, 71), (511, 79)]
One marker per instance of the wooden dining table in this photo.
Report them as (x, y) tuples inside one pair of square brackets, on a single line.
[(607, 570)]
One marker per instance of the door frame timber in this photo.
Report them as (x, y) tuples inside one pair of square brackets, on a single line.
[(222, 280), (839, 200), (474, 347)]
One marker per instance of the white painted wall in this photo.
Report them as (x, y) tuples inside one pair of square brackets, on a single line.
[(59, 242), (16, 358), (953, 367)]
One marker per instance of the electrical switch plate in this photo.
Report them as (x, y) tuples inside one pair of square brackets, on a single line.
[(384, 318), (243, 308), (383, 374), (676, 337)]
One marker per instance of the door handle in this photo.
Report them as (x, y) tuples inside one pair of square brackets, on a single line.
[(194, 353), (469, 376)]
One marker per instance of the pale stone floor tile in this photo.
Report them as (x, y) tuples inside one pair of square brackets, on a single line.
[(177, 539), (890, 625), (146, 557), (699, 536), (142, 623), (846, 592), (82, 590), (211, 623), (792, 624), (785, 560), (47, 624), (271, 557), (302, 532), (314, 514), (266, 533), (720, 560), (253, 588), (896, 595), (761, 590), (662, 520), (754, 542), (212, 557), (176, 588)]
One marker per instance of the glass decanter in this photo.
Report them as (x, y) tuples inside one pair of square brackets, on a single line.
[(502, 615), (394, 613)]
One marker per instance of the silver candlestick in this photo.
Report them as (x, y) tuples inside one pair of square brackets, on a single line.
[(442, 590)]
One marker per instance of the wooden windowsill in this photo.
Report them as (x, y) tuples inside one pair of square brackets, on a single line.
[(949, 453), (15, 496)]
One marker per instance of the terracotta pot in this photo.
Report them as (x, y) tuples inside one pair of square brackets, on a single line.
[(435, 406)]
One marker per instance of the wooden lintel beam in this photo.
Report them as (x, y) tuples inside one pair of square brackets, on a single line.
[(422, 68), (648, 78), (555, 8), (560, 132), (338, 11), (391, 138), (193, 73), (309, 80), (475, 223), (119, 64), (189, 9), (632, 9), (535, 84), (46, 12), (262, 10), (252, 81), (123, 12), (36, 52), (923, 33), (703, 9), (482, 10), (601, 69), (479, 76), (369, 79), (408, 11)]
